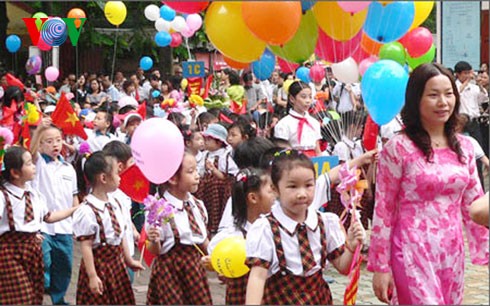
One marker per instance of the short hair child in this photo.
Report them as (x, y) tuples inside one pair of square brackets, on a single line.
[(99, 225), (311, 238)]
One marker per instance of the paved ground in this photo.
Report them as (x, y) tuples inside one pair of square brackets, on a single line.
[(476, 285)]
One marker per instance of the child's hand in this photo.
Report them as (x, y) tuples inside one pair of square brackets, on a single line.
[(46, 122), (135, 265), (39, 237), (95, 285), (369, 157), (206, 262), (355, 235), (153, 234)]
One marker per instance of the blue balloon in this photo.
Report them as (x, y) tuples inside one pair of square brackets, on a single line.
[(387, 23), (167, 13), (383, 90), (303, 74), (307, 4), (146, 63), (13, 43), (163, 39), (264, 67)]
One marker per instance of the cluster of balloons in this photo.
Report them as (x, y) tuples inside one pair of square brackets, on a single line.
[(172, 27), (352, 35)]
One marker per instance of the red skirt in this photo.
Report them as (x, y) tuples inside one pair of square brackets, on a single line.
[(290, 289), (21, 269), (111, 270), (178, 278), (236, 290), (309, 153)]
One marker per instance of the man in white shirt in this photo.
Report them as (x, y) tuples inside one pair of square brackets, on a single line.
[(348, 96), (471, 97)]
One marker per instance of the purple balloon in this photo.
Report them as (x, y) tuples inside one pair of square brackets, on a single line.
[(33, 64)]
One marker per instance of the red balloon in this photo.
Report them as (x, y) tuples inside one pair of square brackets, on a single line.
[(286, 66), (360, 54), (369, 138), (417, 42), (317, 73), (187, 7), (176, 39), (43, 45), (336, 51)]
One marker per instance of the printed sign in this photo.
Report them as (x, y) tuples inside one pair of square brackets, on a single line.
[(193, 69), (324, 163)]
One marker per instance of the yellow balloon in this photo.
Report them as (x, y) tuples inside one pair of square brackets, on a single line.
[(184, 83), (422, 11), (228, 257), (337, 23), (228, 33), (115, 12)]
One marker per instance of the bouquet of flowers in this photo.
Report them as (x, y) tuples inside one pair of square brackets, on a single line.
[(160, 211)]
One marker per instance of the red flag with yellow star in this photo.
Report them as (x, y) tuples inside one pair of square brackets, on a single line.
[(65, 118), (134, 184)]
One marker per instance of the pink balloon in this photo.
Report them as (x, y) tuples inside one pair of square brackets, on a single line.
[(336, 51), (317, 73), (176, 39), (70, 96), (194, 21), (286, 66), (51, 73), (353, 6), (187, 32), (365, 63), (187, 7), (158, 149), (417, 42)]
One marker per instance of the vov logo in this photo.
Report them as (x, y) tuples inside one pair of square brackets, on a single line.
[(54, 31)]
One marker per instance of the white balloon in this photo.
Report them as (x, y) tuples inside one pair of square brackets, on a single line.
[(194, 21), (346, 71), (162, 25), (152, 12), (178, 24)]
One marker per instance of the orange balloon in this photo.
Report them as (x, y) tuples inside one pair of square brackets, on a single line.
[(369, 45), (234, 64), (274, 22), (76, 13)]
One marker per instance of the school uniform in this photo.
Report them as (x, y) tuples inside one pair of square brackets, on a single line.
[(236, 288), (57, 181), (177, 275), (104, 224), (213, 191), (302, 131), (96, 140), (21, 265), (295, 255)]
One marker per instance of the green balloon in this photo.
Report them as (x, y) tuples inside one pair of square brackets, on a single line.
[(394, 51), (426, 58), (39, 22), (334, 114), (302, 45)]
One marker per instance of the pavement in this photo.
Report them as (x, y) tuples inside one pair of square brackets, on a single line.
[(476, 285)]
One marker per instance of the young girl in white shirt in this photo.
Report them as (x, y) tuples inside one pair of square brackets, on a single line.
[(22, 212), (300, 129), (177, 275), (252, 196), (288, 249), (100, 227)]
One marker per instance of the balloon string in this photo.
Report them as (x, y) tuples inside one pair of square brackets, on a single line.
[(114, 54), (188, 49)]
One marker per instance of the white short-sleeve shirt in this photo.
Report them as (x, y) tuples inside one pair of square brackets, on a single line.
[(85, 223), (125, 202), (182, 223), (57, 181), (224, 156), (17, 200), (97, 141), (231, 231), (347, 149), (287, 129), (260, 242)]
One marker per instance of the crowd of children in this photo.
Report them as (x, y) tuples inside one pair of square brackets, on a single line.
[(242, 175)]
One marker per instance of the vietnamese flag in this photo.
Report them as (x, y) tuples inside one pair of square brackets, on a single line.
[(142, 110), (147, 255), (134, 184), (65, 118)]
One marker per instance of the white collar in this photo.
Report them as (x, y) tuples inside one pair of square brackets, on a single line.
[(350, 143), (289, 224), (96, 202), (178, 203), (17, 191), (296, 114)]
